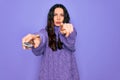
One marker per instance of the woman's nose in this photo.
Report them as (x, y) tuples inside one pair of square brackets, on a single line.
[(58, 17)]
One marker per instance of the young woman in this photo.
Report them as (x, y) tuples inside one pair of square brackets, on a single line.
[(56, 44)]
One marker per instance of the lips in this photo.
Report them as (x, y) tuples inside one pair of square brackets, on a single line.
[(58, 22)]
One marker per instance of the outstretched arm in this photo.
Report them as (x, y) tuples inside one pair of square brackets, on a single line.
[(40, 49), (68, 36)]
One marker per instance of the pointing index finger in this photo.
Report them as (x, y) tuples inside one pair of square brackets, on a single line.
[(61, 25)]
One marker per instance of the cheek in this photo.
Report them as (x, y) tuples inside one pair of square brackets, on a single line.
[(62, 18), (54, 19)]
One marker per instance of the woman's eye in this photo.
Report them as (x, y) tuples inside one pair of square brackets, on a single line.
[(61, 15), (55, 14)]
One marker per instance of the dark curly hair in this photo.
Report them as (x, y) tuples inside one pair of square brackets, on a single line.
[(53, 43)]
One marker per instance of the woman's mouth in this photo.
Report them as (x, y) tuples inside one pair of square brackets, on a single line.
[(58, 22)]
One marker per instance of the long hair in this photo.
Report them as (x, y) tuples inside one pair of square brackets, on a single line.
[(53, 43)]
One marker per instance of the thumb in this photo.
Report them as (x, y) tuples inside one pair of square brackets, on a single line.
[(61, 25)]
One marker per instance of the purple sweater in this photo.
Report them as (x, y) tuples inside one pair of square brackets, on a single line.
[(60, 64)]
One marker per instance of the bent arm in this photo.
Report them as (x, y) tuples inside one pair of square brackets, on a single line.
[(69, 42)]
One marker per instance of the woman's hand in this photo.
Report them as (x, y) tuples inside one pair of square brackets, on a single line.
[(33, 39), (66, 29)]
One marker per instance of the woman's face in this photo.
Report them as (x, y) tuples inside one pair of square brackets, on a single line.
[(58, 16)]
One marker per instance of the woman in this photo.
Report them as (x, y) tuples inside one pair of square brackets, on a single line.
[(56, 44)]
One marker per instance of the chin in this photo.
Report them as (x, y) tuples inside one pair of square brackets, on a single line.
[(57, 24)]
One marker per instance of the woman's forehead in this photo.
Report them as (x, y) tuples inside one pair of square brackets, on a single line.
[(58, 10)]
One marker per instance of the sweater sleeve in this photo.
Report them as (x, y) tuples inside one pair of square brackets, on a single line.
[(41, 48), (69, 42)]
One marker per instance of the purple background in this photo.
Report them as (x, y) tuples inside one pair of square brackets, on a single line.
[(98, 41)]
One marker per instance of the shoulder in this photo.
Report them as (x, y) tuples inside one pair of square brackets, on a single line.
[(43, 32)]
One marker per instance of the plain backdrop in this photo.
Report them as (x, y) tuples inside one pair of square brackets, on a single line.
[(98, 37)]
